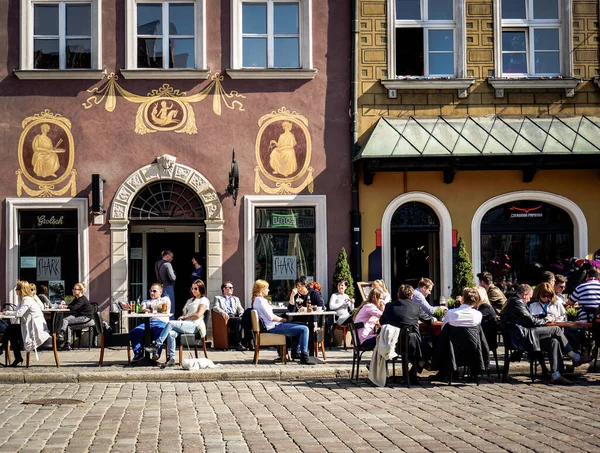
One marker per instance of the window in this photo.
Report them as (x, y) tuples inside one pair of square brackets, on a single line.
[(271, 35), (165, 35), (531, 38), (60, 35), (425, 38)]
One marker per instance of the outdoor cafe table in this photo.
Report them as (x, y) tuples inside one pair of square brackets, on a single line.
[(53, 313), (580, 324), (146, 318), (305, 318)]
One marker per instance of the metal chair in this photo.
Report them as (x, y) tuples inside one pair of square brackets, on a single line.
[(266, 339), (357, 348), (534, 357), (193, 339), (112, 340), (402, 351)]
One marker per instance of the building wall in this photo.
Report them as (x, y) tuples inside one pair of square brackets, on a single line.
[(105, 142)]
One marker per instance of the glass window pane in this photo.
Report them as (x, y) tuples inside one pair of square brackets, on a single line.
[(545, 9), (547, 63), (181, 53), (513, 41), (287, 53), (513, 9), (254, 18), (408, 9), (149, 17), (255, 52), (514, 63), (79, 53), (441, 63), (546, 39), (45, 53), (45, 20), (440, 10), (181, 19), (409, 59), (149, 53), (79, 20), (286, 18), (441, 41)]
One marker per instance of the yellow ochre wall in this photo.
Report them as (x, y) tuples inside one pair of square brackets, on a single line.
[(470, 190)]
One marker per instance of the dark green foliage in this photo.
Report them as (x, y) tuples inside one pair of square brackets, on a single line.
[(342, 272), (463, 270)]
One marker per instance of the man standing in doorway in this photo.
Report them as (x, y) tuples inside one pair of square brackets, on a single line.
[(166, 277), (230, 307)]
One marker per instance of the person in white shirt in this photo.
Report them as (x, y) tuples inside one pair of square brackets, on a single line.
[(467, 315), (560, 285), (423, 290), (341, 303)]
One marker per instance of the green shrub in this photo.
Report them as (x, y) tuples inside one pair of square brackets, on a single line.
[(463, 270), (342, 272), (439, 313)]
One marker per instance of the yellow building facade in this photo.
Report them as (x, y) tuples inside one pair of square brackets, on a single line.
[(476, 119)]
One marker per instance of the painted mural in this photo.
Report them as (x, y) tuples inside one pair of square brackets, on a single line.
[(165, 109), (283, 154), (46, 156)]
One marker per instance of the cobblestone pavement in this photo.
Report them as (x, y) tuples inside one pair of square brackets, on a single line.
[(310, 415)]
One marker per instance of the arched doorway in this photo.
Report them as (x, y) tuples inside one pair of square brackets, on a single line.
[(426, 223), (164, 198)]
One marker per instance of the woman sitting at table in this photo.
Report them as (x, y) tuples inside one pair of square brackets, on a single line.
[(191, 321), (380, 284), (341, 303), (544, 304), (32, 331), (81, 314), (528, 333), (369, 313)]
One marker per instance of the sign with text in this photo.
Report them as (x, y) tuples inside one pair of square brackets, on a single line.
[(48, 268), (284, 268), (284, 220), (28, 262)]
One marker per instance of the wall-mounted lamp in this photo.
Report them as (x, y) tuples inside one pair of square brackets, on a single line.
[(98, 194), (234, 179)]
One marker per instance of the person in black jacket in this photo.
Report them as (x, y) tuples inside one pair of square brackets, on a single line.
[(531, 334), (302, 294), (81, 314)]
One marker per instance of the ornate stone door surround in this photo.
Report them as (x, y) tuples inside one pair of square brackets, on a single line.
[(165, 167)]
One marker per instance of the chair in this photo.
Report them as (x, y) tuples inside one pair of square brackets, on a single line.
[(266, 339), (533, 357), (490, 330), (320, 342), (193, 339), (357, 348), (221, 331), (402, 349), (112, 340), (344, 329)]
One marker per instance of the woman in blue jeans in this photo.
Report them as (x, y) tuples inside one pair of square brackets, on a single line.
[(275, 324), (190, 321)]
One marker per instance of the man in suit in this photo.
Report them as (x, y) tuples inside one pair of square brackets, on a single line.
[(230, 307)]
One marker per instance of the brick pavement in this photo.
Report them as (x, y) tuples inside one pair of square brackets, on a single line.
[(308, 415)]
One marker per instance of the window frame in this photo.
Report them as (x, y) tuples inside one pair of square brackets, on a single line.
[(564, 24), (305, 69), (200, 70), (459, 34), (26, 69)]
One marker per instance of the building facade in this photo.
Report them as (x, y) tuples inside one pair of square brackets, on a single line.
[(223, 136), (478, 119)]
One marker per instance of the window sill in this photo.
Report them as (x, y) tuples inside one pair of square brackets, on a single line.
[(501, 84), (462, 85), (272, 74), (154, 74), (55, 74)]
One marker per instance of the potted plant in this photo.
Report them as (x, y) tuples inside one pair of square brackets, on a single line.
[(463, 269), (572, 313), (451, 303), (439, 313)]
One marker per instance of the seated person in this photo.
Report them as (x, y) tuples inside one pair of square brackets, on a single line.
[(302, 295), (544, 304), (380, 284), (81, 314), (341, 303), (369, 313), (156, 324), (275, 324), (230, 307), (531, 334), (467, 314), (489, 319), (190, 321), (405, 312), (423, 290)]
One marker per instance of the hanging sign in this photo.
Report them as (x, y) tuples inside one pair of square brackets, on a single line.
[(284, 268), (48, 268)]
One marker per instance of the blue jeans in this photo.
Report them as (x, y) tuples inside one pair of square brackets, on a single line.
[(170, 334), (137, 334), (169, 290), (294, 330)]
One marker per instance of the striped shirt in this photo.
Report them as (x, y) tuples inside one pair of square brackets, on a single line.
[(587, 295)]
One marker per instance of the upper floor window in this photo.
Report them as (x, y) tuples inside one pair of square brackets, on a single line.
[(60, 35), (531, 38), (165, 35), (271, 34), (425, 38)]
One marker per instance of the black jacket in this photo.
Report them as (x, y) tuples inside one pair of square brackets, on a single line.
[(461, 346), (315, 299), (489, 324), (404, 313), (519, 325), (81, 306)]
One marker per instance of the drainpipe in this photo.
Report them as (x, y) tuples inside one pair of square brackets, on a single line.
[(355, 215)]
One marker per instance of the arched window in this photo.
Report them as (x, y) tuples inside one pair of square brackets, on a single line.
[(415, 215), (164, 200)]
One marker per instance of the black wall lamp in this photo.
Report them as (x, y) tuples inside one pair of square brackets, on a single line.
[(98, 194), (234, 179)]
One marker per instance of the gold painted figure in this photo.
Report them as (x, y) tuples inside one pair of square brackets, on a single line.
[(165, 115), (283, 155), (45, 159)]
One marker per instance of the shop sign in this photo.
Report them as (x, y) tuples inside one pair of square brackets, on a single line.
[(284, 220), (28, 262), (45, 220), (48, 268), (284, 268), (518, 212)]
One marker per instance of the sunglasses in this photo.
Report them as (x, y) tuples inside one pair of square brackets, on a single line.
[(195, 288), (154, 291), (76, 289), (228, 287)]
